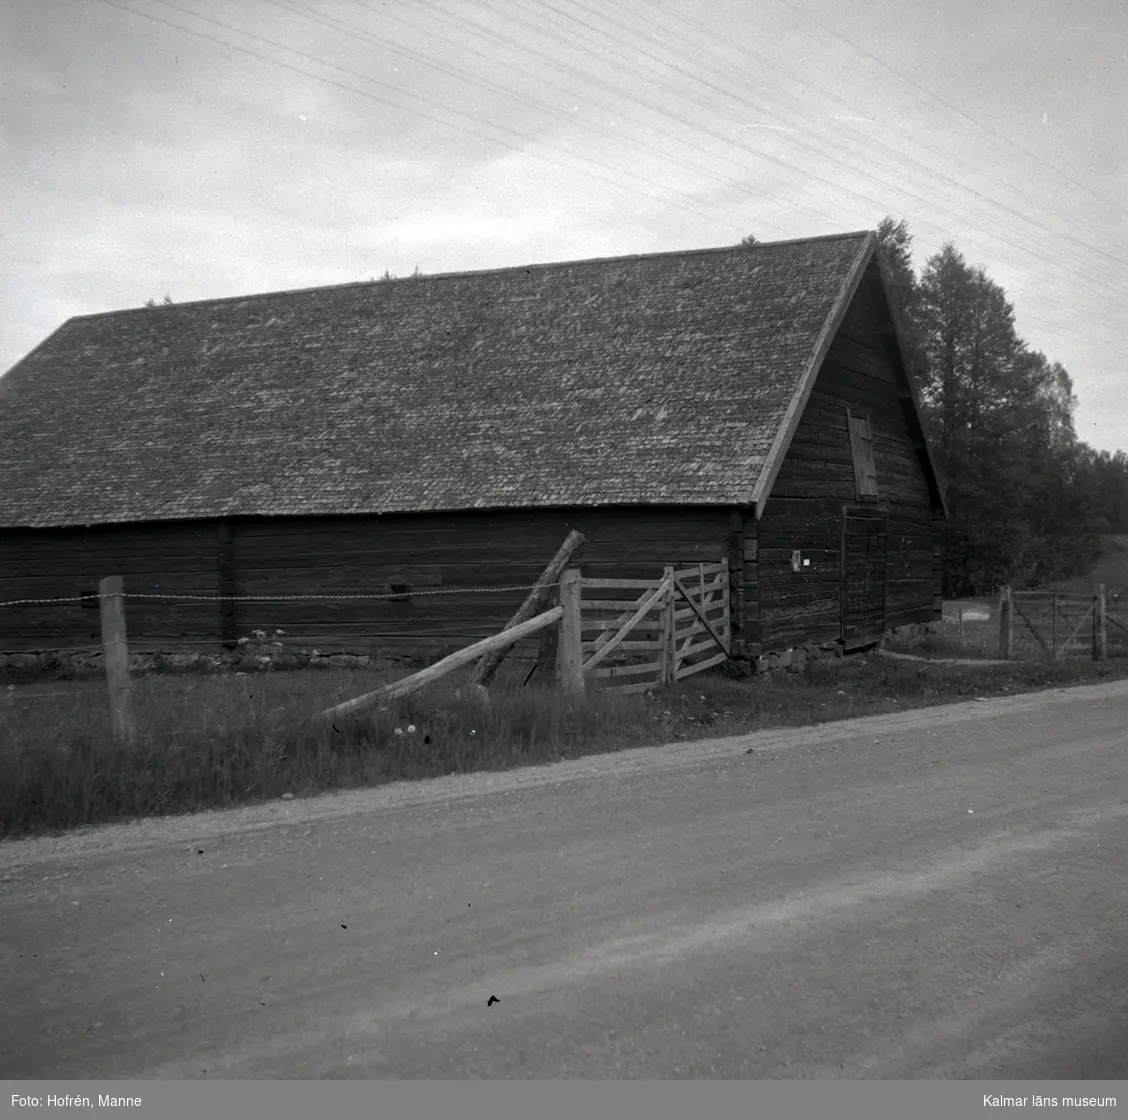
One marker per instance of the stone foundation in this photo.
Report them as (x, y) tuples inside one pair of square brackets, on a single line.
[(788, 660), (793, 660)]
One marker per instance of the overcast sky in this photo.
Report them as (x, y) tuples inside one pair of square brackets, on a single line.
[(207, 148)]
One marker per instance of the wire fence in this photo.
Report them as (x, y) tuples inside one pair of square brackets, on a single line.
[(358, 638), (193, 597)]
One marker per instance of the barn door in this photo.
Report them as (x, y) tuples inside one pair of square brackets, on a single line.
[(864, 548)]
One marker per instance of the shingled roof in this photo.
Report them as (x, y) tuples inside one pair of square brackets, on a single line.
[(664, 379)]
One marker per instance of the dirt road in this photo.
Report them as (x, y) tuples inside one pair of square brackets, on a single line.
[(938, 894)]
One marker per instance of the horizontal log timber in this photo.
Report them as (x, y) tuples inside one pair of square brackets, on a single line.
[(865, 360), (845, 385), (346, 576), (816, 632), (794, 616)]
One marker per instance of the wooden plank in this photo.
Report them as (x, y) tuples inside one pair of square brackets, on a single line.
[(648, 584), (447, 665), (686, 622), (700, 615), (694, 649), (1033, 629), (715, 608), (1077, 629), (713, 572), (708, 663), (626, 670), (647, 605), (623, 607), (639, 647), (611, 625)]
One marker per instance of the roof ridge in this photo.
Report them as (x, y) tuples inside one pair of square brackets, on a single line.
[(433, 276)]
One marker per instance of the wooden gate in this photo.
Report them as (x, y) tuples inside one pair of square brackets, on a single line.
[(1057, 623), (702, 633), (644, 633), (865, 535)]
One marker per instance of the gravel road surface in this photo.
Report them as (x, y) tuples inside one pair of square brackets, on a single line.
[(937, 894)]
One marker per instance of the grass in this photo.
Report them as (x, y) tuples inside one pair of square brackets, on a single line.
[(224, 740)]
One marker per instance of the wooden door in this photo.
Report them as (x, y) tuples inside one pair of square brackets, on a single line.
[(863, 556)]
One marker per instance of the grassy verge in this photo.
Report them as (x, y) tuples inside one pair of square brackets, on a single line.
[(208, 742)]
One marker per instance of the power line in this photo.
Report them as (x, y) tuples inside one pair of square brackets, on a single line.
[(481, 31), (813, 175), (947, 104), (476, 133), (620, 137), (764, 60)]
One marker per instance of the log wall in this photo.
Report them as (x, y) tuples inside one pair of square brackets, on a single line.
[(405, 555), (816, 481)]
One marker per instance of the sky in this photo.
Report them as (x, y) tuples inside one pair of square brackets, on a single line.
[(210, 148)]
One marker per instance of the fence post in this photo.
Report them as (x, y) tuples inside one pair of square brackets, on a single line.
[(116, 656), (534, 604), (1100, 626), (1006, 623), (669, 630), (570, 654)]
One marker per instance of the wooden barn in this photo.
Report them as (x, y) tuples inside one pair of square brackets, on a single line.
[(444, 433)]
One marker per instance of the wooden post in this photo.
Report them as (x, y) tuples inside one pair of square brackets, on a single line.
[(535, 602), (1006, 623), (669, 631), (570, 654), (1100, 625), (116, 656), (1053, 628)]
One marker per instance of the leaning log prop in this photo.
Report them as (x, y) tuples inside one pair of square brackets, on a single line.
[(486, 669), (447, 665)]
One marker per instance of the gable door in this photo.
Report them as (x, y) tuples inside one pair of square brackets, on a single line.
[(864, 545)]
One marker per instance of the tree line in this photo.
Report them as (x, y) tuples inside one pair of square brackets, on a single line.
[(1028, 500)]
